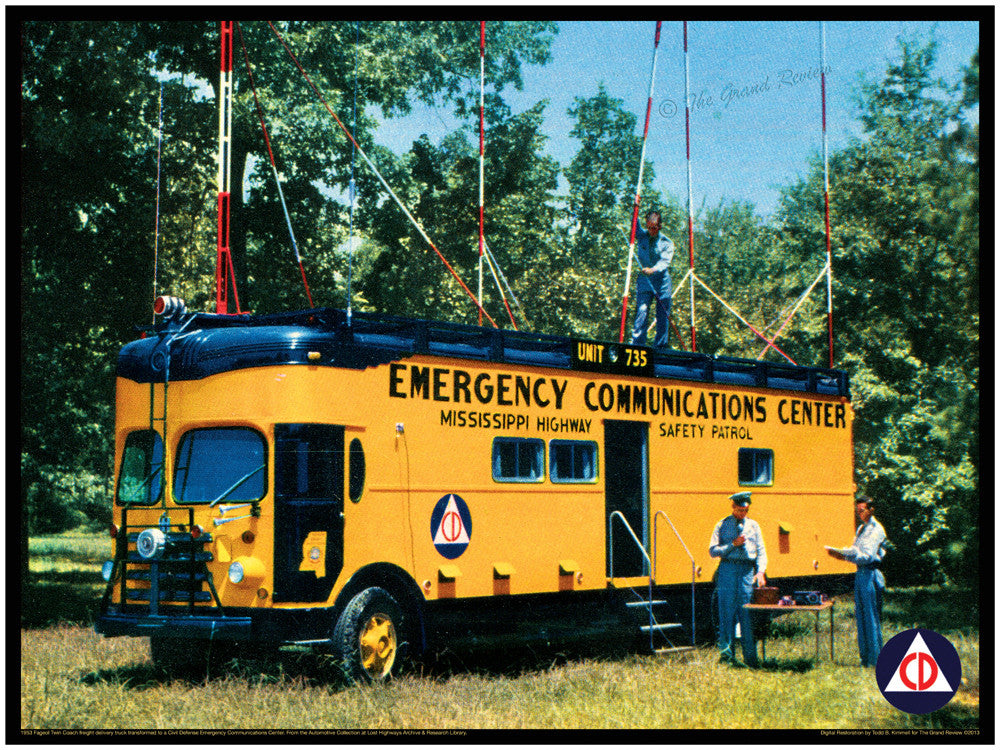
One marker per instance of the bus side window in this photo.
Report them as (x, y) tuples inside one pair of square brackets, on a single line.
[(756, 466), (518, 459), (140, 479), (572, 461), (356, 471)]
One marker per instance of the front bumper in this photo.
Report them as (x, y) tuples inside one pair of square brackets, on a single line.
[(177, 626), (265, 625)]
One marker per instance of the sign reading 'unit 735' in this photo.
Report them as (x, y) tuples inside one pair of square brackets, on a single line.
[(618, 359)]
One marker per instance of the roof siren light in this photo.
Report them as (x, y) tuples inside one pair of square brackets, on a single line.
[(169, 307)]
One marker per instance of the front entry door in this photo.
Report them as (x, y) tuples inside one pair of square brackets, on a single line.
[(626, 489), (308, 510)]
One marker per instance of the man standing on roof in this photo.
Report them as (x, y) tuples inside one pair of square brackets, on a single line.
[(653, 252), (738, 541), (869, 583)]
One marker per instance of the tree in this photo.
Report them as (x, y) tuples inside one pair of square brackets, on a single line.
[(601, 175), (394, 63), (89, 129), (87, 132), (441, 183), (907, 311)]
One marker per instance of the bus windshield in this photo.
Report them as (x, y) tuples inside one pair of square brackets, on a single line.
[(219, 464)]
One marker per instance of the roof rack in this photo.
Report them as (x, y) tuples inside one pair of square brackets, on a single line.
[(224, 342)]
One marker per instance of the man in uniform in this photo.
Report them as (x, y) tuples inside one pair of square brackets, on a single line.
[(738, 541), (869, 583), (654, 253)]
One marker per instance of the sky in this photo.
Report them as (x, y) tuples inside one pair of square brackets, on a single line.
[(754, 91)]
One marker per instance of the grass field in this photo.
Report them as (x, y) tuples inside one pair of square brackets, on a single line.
[(72, 678)]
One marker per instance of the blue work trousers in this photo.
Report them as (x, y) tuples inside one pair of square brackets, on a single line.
[(734, 588), (868, 586), (643, 300)]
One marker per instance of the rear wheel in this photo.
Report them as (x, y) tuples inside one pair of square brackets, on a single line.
[(369, 636)]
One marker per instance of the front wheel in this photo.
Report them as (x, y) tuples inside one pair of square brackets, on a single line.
[(369, 635)]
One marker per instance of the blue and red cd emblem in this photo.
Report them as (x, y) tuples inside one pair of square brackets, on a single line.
[(451, 526), (918, 671)]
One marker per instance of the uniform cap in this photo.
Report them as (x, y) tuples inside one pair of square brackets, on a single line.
[(741, 499)]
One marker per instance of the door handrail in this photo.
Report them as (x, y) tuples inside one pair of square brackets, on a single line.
[(656, 518), (611, 543), (649, 563)]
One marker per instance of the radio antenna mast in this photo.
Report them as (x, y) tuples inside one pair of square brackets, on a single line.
[(156, 230), (690, 216), (826, 193), (223, 258), (482, 74), (352, 186), (638, 187)]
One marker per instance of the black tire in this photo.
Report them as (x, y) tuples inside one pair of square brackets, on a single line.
[(369, 637)]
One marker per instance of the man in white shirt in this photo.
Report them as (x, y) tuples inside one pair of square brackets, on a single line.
[(869, 583)]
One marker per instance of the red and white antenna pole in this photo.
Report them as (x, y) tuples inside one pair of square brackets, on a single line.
[(826, 193), (156, 229), (224, 275), (687, 139), (638, 187), (482, 139)]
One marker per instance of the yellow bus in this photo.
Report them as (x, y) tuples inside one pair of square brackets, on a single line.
[(379, 486)]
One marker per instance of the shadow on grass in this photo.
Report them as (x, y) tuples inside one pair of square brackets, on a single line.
[(933, 608), (515, 660), (288, 667), (785, 626), (788, 665), (73, 597), (134, 677), (308, 667), (70, 597)]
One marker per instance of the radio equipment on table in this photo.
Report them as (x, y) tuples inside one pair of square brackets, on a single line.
[(807, 598)]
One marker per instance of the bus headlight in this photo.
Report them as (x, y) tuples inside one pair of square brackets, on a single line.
[(248, 571), (151, 544), (236, 572), (107, 569)]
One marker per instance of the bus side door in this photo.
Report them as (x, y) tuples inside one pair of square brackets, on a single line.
[(308, 510), (626, 491)]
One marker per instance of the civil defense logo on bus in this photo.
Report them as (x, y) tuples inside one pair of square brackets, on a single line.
[(451, 526), (918, 671)]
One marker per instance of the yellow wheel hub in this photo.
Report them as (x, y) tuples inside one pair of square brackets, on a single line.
[(378, 646)]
